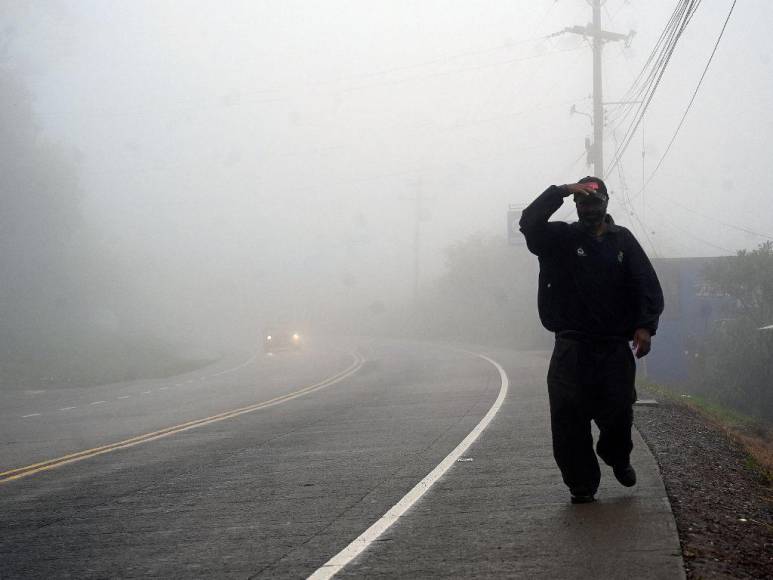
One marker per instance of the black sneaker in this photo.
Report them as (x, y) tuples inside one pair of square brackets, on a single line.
[(625, 474), (583, 498)]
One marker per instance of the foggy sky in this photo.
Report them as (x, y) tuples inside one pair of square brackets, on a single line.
[(230, 145)]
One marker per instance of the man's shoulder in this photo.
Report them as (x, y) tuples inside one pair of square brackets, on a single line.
[(626, 234), (622, 231)]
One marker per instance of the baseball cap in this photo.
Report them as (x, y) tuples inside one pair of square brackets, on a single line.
[(599, 187)]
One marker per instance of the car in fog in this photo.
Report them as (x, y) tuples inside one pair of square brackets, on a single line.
[(276, 339)]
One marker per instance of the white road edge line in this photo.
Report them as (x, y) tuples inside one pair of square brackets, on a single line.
[(361, 543), (243, 364)]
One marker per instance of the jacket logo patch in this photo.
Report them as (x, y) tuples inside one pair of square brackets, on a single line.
[(620, 256), (580, 252)]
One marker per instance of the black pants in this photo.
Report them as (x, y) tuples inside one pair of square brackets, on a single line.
[(590, 380)]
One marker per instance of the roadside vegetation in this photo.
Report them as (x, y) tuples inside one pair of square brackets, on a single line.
[(731, 377), (737, 367), (755, 435), (69, 312), (487, 294)]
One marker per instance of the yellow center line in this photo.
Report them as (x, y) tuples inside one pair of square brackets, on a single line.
[(49, 464)]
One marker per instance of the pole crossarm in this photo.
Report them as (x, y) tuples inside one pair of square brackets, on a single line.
[(589, 30)]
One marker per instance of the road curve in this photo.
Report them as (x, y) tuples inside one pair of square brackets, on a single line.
[(281, 491)]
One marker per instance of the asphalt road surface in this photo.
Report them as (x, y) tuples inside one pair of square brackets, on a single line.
[(370, 459)]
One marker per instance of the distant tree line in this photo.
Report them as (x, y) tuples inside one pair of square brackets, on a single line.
[(63, 319), (487, 294), (737, 361)]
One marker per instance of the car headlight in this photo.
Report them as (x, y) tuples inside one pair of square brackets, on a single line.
[(296, 336), (268, 337)]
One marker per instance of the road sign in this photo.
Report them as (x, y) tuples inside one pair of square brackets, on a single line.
[(514, 235)]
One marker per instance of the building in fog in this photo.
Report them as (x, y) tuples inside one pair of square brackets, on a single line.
[(693, 308)]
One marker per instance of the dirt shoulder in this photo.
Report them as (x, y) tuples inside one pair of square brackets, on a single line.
[(721, 497)]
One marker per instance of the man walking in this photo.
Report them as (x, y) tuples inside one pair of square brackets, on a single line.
[(597, 292)]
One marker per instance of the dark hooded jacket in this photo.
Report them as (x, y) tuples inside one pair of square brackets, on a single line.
[(598, 286)]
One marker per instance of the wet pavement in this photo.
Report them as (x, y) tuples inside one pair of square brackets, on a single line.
[(277, 492)]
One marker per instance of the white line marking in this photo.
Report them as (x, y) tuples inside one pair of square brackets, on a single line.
[(178, 384), (30, 415), (146, 392), (20, 472), (162, 388), (97, 403), (350, 552), (66, 408), (124, 396)]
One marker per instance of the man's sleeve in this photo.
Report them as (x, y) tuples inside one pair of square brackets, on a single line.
[(534, 220), (645, 287)]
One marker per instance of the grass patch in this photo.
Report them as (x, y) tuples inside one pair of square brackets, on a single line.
[(85, 364), (754, 435)]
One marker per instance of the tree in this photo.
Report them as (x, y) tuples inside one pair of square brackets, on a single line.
[(39, 217), (738, 368), (58, 307), (747, 277), (486, 294)]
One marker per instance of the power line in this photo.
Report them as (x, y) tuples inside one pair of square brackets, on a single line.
[(545, 15), (637, 84), (642, 91), (692, 99), (666, 39), (679, 21), (693, 211), (692, 235), (627, 205), (439, 74), (685, 13)]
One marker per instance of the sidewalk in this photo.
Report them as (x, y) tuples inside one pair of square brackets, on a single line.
[(506, 513)]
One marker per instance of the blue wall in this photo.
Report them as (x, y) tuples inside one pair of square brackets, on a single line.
[(691, 310)]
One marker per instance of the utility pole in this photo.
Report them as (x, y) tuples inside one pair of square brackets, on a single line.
[(416, 246), (599, 37), (420, 215)]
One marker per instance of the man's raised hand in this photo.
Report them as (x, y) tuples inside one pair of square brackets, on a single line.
[(578, 188)]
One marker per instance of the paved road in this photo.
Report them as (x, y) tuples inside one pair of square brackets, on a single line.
[(38, 424), (277, 491)]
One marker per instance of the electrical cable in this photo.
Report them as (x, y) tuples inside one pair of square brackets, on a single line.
[(667, 31), (627, 205), (693, 211), (668, 222), (686, 12), (689, 9), (545, 15), (661, 55), (692, 100)]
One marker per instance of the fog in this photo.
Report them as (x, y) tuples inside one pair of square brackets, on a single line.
[(193, 170)]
